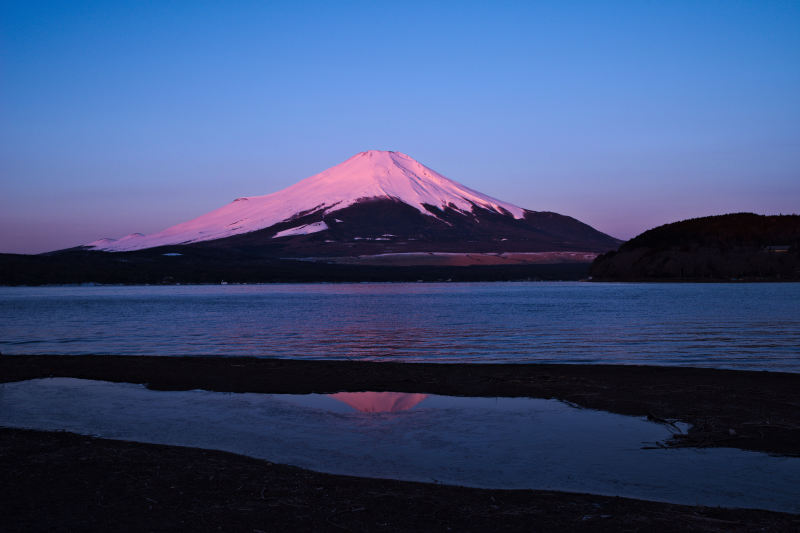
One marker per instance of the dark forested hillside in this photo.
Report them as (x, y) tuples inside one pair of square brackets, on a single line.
[(215, 266), (735, 246)]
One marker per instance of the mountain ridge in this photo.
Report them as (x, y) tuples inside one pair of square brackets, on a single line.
[(382, 198), (372, 174)]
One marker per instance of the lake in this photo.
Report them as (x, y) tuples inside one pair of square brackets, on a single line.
[(736, 325)]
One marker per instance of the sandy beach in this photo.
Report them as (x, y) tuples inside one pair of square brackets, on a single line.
[(63, 481)]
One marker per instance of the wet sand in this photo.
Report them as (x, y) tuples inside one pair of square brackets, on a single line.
[(66, 482)]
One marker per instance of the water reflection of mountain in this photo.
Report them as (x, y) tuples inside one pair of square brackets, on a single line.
[(379, 402)]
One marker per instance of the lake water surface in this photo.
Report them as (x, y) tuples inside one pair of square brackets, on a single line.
[(742, 326)]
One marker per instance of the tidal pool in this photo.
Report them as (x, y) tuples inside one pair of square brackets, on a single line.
[(511, 443)]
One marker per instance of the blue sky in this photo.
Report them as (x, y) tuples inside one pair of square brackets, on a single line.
[(133, 116)]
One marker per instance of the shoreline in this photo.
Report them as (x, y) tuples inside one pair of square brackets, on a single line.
[(92, 484), (96, 484), (422, 279), (749, 410)]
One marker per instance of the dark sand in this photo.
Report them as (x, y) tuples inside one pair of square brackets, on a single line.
[(67, 482), (61, 481)]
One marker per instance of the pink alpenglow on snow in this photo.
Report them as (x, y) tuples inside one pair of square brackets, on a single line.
[(380, 402), (305, 229), (367, 175)]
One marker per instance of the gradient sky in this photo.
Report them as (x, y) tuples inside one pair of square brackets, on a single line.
[(133, 116)]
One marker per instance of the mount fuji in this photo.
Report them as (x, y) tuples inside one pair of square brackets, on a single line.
[(375, 203)]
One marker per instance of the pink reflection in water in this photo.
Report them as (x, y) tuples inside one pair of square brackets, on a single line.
[(379, 402)]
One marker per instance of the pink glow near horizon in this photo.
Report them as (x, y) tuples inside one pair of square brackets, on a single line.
[(122, 118)]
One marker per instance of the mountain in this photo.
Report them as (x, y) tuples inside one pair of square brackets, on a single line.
[(376, 202), (742, 246)]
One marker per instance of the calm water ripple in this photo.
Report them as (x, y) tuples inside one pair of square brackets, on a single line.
[(752, 326)]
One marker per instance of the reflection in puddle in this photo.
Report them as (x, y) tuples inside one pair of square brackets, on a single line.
[(379, 402), (481, 442)]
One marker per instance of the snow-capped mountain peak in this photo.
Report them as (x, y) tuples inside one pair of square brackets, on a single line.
[(373, 174)]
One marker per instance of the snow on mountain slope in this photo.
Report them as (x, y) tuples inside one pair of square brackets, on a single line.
[(305, 229), (371, 174)]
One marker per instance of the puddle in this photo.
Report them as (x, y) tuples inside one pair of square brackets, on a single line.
[(480, 442)]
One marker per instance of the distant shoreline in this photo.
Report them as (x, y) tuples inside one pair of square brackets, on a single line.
[(152, 268), (587, 281), (751, 410)]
